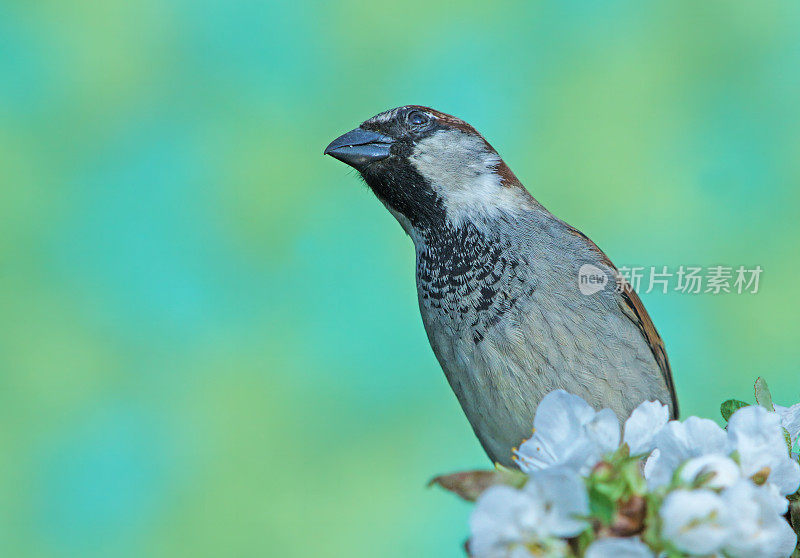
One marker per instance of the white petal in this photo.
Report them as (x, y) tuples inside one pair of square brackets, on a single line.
[(754, 425), (760, 530), (502, 517), (706, 436), (568, 432), (562, 415), (790, 420), (694, 521), (785, 475), (679, 441), (652, 467), (565, 494), (603, 430), (546, 509), (618, 548), (757, 435), (777, 500), (516, 552), (645, 422), (726, 471)]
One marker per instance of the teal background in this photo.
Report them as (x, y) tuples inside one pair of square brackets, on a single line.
[(209, 339)]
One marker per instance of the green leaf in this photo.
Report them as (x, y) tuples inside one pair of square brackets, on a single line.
[(632, 475), (614, 490), (763, 396), (731, 406), (788, 438), (600, 505), (586, 538)]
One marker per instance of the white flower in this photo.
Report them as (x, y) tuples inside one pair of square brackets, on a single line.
[(645, 422), (743, 521), (618, 548), (790, 420), (725, 470), (679, 441), (505, 521), (565, 494), (695, 521), (568, 432), (756, 434), (510, 522), (759, 530)]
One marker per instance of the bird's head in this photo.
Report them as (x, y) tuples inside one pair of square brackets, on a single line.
[(430, 169)]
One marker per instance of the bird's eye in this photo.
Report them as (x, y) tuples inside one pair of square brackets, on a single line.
[(417, 119)]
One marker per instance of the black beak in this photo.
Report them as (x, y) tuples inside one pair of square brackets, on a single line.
[(360, 147)]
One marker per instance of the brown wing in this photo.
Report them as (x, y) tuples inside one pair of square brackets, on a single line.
[(631, 305), (634, 309)]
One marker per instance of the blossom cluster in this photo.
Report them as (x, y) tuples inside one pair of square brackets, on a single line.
[(653, 487)]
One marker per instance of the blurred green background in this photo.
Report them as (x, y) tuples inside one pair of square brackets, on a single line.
[(209, 335)]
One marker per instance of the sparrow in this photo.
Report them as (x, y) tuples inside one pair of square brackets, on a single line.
[(502, 283)]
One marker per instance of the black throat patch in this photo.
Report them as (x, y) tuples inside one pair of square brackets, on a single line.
[(405, 190)]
